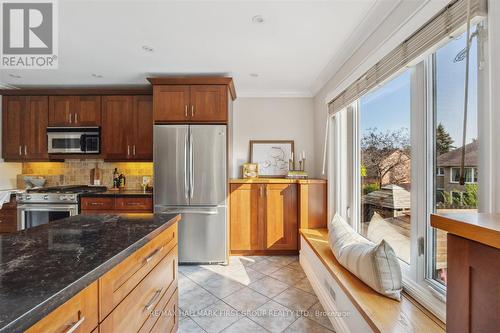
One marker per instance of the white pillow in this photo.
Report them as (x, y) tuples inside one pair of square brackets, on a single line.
[(375, 265)]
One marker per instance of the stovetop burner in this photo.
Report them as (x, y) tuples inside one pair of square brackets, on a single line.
[(69, 189)]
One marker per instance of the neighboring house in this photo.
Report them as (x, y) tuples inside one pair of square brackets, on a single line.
[(448, 169), (399, 174)]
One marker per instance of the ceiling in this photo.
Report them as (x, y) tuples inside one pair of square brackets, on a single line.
[(283, 56)]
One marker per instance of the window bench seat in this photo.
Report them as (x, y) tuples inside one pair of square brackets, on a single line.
[(358, 307)]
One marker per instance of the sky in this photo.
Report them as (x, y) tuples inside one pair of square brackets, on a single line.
[(388, 107)]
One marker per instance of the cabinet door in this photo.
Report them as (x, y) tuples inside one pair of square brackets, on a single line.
[(12, 110), (246, 217), (142, 148), (171, 103), (87, 111), (117, 122), (281, 217), (61, 109), (35, 121), (209, 103)]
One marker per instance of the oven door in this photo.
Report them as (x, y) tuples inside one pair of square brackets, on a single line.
[(32, 215), (65, 143)]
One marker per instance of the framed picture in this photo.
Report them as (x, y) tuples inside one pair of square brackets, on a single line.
[(250, 170), (272, 156)]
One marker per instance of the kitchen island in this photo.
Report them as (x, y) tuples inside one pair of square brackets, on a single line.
[(75, 263)]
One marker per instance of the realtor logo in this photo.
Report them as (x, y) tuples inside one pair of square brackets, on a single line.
[(29, 36)]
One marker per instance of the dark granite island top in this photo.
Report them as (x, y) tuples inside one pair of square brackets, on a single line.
[(43, 267)]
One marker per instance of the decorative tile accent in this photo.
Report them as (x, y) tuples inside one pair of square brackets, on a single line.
[(77, 172)]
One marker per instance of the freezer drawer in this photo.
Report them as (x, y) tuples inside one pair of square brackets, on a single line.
[(202, 234)]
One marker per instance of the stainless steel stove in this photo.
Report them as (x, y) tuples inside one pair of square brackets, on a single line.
[(43, 205)]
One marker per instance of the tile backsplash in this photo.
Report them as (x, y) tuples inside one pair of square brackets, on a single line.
[(76, 172)]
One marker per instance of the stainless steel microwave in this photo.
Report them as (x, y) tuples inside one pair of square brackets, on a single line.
[(74, 140)]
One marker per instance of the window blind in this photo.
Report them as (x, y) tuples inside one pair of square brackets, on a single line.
[(433, 32)]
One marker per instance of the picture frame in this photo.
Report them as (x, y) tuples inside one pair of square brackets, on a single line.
[(271, 156), (250, 170)]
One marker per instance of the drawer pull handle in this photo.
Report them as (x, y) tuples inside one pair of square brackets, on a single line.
[(96, 204), (153, 300), (152, 255), (75, 325), (133, 204)]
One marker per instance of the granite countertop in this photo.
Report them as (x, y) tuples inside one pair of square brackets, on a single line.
[(124, 193), (43, 267)]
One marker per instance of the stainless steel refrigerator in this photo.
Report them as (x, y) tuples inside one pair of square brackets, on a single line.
[(190, 177)]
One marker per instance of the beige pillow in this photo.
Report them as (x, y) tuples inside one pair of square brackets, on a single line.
[(375, 265)]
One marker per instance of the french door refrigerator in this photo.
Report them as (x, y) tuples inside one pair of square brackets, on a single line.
[(190, 177)]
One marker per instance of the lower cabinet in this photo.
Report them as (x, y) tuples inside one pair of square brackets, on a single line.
[(138, 295), (8, 216), (116, 205), (263, 218)]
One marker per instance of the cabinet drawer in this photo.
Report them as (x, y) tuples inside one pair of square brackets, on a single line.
[(168, 320), (134, 310), (115, 285), (97, 204), (134, 204), (80, 313)]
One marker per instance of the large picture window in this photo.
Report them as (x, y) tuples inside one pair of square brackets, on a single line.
[(385, 171)]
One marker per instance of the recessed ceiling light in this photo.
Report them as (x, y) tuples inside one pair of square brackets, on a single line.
[(254, 74), (258, 19), (15, 76), (147, 48), (97, 76)]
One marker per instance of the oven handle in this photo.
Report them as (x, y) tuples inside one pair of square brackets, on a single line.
[(45, 207)]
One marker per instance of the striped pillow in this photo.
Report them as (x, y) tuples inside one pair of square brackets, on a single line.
[(375, 265)]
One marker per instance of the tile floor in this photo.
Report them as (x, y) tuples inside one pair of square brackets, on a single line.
[(251, 294)]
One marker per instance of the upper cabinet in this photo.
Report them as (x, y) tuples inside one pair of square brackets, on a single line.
[(192, 99), (74, 111), (127, 128), (24, 124)]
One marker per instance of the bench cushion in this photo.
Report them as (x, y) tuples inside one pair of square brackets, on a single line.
[(375, 265)]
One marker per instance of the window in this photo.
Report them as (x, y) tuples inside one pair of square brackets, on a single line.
[(395, 159), (385, 158), (470, 175), (448, 98)]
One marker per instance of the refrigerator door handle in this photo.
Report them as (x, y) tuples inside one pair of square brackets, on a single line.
[(186, 188), (191, 165)]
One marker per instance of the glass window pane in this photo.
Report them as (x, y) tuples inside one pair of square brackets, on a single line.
[(449, 71), (384, 127)]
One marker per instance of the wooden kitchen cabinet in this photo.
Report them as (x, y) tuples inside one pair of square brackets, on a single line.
[(192, 99), (25, 119), (265, 215), (74, 110), (208, 103), (281, 217), (8, 216), (124, 204), (171, 103), (127, 128), (263, 218)]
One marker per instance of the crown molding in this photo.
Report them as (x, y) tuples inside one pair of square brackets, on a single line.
[(274, 94)]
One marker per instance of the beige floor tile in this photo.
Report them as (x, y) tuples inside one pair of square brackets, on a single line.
[(245, 325), (185, 284), (216, 317), (305, 285), (288, 275), (274, 317), (303, 325), (282, 260), (250, 260), (266, 267), (187, 325), (268, 286), (318, 314), (221, 286), (246, 299), (246, 276), (295, 265), (201, 276), (195, 300), (296, 299)]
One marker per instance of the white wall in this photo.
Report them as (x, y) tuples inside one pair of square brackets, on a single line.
[(8, 171), (278, 118)]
